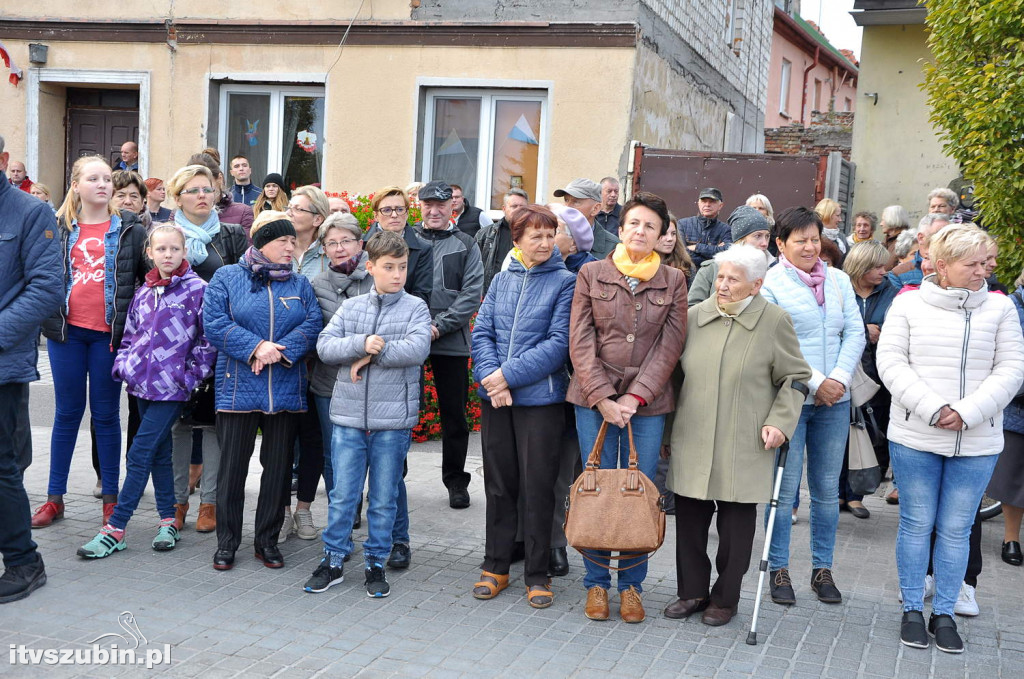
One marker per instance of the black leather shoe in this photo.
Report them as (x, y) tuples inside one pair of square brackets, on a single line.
[(458, 498), (912, 630), (825, 587), (401, 556), (270, 556), (860, 512), (1012, 554), (947, 639), (223, 560), (558, 564), (681, 609), (782, 587)]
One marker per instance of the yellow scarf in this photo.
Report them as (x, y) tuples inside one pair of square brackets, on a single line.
[(858, 240), (643, 270), (518, 254)]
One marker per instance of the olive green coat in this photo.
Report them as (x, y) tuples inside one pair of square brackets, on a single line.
[(738, 376)]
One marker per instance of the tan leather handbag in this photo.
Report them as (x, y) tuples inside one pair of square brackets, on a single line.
[(617, 510)]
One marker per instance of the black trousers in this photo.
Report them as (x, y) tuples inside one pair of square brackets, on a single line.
[(236, 433), (451, 377), (309, 447), (16, 543), (521, 451), (736, 524)]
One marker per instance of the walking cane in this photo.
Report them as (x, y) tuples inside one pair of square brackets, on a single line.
[(780, 467)]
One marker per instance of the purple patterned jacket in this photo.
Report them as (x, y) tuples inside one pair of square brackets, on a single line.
[(164, 353)]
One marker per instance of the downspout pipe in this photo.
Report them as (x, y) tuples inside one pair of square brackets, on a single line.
[(807, 71)]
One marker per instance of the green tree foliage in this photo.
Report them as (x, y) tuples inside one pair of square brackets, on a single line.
[(975, 87)]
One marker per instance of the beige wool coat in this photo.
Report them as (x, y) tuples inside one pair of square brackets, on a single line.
[(737, 377)]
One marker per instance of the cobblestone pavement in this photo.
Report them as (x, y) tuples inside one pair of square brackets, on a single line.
[(257, 622)]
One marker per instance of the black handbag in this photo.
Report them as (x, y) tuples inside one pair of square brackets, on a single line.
[(201, 408)]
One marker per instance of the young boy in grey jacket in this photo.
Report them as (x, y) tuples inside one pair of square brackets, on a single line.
[(380, 340)]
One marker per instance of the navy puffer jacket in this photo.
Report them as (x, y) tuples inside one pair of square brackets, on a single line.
[(236, 319), (523, 329)]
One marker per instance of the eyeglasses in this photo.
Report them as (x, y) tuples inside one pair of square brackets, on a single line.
[(340, 243), (194, 191), (389, 211), (296, 208)]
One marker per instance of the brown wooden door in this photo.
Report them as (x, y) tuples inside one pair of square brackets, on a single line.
[(99, 132)]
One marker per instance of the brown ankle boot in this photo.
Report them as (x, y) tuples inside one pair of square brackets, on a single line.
[(194, 472), (207, 519), (180, 511)]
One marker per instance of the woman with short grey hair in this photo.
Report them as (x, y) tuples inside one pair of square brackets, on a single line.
[(894, 222), (736, 406)]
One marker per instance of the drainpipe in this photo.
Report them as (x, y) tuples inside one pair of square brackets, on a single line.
[(803, 100)]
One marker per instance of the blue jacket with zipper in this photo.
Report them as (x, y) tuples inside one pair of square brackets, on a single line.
[(237, 317), (523, 329)]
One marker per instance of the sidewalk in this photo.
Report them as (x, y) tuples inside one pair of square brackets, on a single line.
[(257, 622)]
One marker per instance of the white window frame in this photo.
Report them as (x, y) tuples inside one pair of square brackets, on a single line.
[(277, 95), (784, 80), (485, 154)]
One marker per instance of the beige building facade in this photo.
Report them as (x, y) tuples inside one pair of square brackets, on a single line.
[(896, 148), (486, 97)]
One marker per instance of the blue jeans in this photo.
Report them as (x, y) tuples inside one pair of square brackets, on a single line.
[(647, 431), (150, 451), (941, 494), (822, 431), (400, 534), (355, 452), (84, 360)]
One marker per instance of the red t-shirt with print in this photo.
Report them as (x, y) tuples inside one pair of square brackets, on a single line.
[(87, 305)]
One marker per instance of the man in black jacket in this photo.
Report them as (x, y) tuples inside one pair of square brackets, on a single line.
[(458, 284), (704, 235), (495, 240), (469, 218)]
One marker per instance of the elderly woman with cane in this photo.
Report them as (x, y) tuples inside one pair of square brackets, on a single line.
[(741, 360), (952, 356)]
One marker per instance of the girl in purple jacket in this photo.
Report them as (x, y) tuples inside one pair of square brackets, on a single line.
[(163, 356)]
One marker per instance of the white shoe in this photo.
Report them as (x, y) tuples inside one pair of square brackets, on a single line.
[(929, 588), (966, 605), (287, 525), (794, 518)]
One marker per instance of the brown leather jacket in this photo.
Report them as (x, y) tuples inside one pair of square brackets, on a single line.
[(622, 342)]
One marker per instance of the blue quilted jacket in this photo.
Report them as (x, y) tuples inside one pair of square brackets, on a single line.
[(831, 337), (523, 329), (236, 319)]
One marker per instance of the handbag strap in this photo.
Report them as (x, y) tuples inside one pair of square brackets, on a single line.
[(594, 459), (621, 556)]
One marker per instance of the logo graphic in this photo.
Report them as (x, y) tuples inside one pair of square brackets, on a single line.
[(127, 622), (125, 649)]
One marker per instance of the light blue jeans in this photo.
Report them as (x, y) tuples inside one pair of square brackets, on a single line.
[(353, 453), (822, 430), (647, 431), (942, 494), (400, 534)]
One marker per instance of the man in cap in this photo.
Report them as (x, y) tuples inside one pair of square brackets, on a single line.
[(704, 234), (585, 196), (458, 284)]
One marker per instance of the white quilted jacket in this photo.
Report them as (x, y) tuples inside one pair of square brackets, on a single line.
[(952, 347)]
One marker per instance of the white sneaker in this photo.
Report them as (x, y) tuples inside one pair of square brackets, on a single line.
[(794, 518), (966, 605), (929, 588), (304, 528), (287, 525)]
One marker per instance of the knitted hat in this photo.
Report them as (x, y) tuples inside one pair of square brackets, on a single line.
[(274, 178), (746, 220), (579, 228), (272, 231)]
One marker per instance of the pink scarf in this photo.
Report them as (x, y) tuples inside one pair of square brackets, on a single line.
[(815, 280)]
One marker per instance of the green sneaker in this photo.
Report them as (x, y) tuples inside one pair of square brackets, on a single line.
[(104, 544), (165, 538)]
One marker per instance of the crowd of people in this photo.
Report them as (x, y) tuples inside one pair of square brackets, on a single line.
[(229, 312)]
